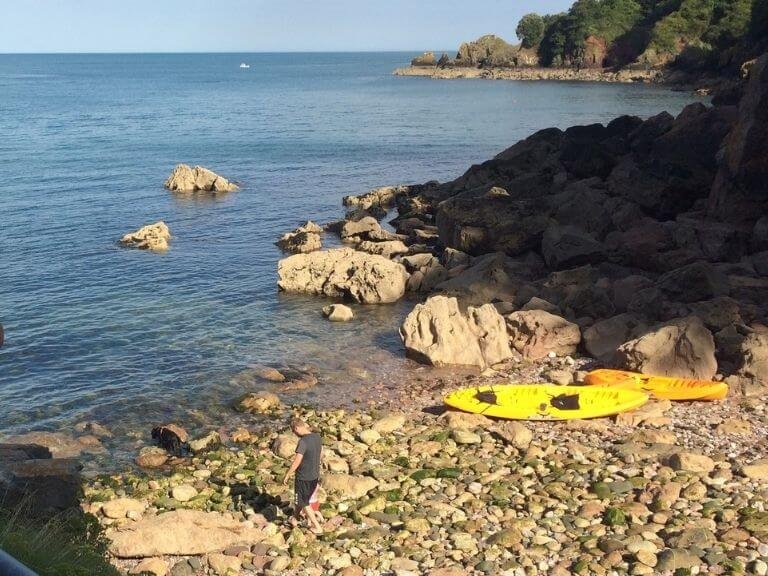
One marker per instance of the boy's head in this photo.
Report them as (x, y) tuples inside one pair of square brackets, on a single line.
[(299, 427)]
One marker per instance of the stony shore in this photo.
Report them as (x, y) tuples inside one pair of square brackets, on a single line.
[(530, 73), (674, 489)]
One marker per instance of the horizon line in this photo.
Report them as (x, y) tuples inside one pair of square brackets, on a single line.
[(162, 52)]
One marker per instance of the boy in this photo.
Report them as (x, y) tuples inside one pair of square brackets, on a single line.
[(306, 465)]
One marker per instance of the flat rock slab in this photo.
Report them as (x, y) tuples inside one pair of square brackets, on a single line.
[(182, 533)]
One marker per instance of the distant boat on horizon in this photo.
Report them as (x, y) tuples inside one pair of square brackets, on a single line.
[(244, 65)]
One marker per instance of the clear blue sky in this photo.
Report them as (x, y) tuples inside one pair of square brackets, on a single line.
[(256, 25)]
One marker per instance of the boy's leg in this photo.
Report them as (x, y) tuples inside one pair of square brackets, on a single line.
[(314, 525)]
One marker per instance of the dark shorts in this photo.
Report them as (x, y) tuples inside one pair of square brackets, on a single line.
[(304, 490)]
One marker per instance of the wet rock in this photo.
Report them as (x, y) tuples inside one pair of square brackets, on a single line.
[(154, 237), (187, 179), (356, 230), (152, 457), (299, 242), (381, 198), (59, 444), (684, 348), (438, 333), (258, 402), (268, 373), (181, 533), (210, 441), (536, 333), (338, 313), (366, 278), (172, 438)]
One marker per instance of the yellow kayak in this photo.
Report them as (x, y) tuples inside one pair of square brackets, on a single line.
[(664, 387), (545, 401)]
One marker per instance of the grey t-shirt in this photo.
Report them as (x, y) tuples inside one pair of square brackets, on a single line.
[(309, 446)]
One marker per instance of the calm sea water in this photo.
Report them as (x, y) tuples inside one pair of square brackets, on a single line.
[(130, 337)]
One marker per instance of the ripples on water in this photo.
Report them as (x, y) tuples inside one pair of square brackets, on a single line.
[(129, 337)]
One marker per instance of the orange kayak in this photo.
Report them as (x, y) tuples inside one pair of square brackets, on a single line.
[(665, 387)]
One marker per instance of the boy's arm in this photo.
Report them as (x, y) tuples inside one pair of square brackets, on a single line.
[(294, 465)]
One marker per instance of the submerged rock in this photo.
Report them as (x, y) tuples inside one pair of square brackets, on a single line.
[(187, 179), (171, 437), (338, 313), (438, 333), (258, 402), (343, 272), (154, 237)]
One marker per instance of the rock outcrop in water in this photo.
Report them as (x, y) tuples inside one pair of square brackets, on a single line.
[(344, 273), (154, 237), (305, 238), (184, 178)]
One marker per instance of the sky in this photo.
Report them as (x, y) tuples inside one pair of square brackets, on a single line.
[(257, 25)]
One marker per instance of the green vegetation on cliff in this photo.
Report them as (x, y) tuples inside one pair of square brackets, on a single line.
[(693, 33)]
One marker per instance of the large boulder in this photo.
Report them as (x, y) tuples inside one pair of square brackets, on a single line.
[(343, 272), (683, 348), (754, 358), (42, 486), (152, 237), (568, 246), (694, 282), (536, 333), (491, 278), (425, 270), (181, 533), (602, 339), (439, 333), (197, 179)]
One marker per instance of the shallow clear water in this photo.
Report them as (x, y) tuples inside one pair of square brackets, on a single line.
[(128, 336)]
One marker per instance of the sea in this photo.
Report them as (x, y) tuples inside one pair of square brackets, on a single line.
[(130, 338)]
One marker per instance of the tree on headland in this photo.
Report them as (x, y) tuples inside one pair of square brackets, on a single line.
[(530, 30)]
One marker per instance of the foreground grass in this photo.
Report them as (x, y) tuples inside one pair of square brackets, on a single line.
[(68, 545)]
